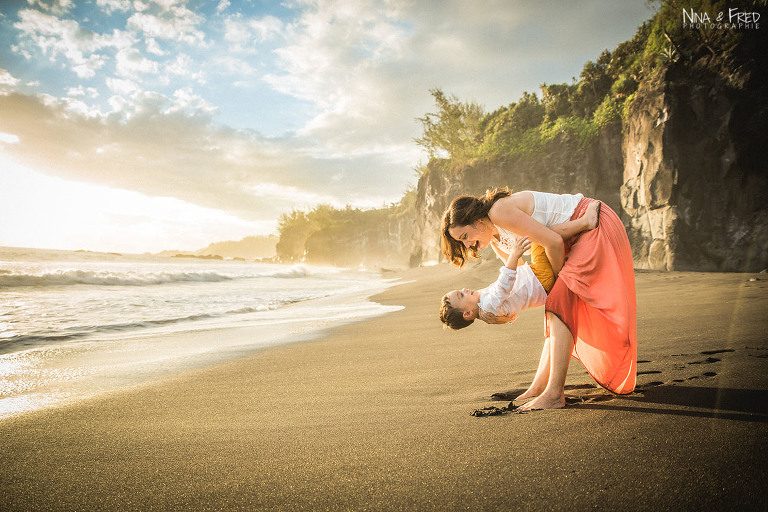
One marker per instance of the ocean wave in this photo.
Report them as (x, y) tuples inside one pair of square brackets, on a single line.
[(47, 337), (291, 272), (75, 277), (69, 277)]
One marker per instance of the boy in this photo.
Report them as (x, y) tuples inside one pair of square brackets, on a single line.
[(519, 285)]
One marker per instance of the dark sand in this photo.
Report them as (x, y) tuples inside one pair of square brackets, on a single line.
[(376, 415)]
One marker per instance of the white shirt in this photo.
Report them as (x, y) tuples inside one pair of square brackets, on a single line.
[(512, 292), (549, 209)]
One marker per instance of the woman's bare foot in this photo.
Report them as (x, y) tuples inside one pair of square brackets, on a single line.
[(545, 401), (592, 215), (531, 392)]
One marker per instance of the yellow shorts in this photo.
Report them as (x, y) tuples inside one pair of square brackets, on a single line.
[(541, 267)]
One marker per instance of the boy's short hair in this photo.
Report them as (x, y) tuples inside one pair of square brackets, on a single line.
[(451, 316)]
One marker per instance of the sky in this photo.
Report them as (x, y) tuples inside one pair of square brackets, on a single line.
[(148, 125)]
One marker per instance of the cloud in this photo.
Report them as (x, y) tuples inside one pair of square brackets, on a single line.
[(342, 59), (122, 86), (53, 6), (130, 63), (87, 53), (299, 198), (245, 34), (7, 81), (111, 6), (183, 66), (222, 6), (368, 65), (8, 138), (169, 147), (56, 37), (187, 101), (81, 92), (235, 66), (175, 23)]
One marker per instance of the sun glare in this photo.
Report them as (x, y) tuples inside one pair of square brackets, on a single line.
[(37, 210)]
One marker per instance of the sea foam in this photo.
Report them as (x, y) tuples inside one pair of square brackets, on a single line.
[(11, 278)]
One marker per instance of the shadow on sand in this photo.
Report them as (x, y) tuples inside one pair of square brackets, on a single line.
[(724, 403)]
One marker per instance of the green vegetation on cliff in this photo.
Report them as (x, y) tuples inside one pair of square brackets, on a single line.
[(574, 111), (330, 235)]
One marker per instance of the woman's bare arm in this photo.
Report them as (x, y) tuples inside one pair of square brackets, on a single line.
[(505, 213)]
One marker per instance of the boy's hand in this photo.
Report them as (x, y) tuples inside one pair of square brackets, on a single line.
[(520, 245), (496, 319)]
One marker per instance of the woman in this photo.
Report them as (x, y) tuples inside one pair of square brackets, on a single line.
[(590, 311)]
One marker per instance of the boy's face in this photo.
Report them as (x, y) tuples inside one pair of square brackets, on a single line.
[(466, 300)]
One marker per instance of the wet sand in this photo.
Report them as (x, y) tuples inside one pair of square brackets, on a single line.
[(377, 415)]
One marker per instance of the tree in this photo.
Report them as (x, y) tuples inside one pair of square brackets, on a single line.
[(293, 229), (453, 130), (557, 100)]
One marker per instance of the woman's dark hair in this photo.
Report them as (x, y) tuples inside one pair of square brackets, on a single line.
[(463, 211)]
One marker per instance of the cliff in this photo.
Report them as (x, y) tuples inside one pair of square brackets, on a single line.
[(695, 185), (596, 171), (349, 237), (383, 246), (686, 169), (250, 247)]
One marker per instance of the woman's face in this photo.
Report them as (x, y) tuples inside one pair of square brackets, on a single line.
[(475, 235)]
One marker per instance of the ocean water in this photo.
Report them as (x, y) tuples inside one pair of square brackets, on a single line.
[(76, 324)]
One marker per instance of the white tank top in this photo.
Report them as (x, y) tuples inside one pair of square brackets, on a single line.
[(551, 209), (548, 209)]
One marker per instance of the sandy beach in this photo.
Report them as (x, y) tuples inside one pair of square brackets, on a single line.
[(377, 415)]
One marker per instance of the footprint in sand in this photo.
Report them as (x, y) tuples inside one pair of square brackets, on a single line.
[(720, 351), (579, 386), (649, 384), (710, 353), (708, 360), (646, 372), (705, 374), (503, 396), (591, 397)]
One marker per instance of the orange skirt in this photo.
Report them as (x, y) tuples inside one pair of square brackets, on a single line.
[(594, 296)]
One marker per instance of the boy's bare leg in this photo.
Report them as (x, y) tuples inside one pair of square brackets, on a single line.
[(592, 215), (542, 375), (561, 340), (586, 222)]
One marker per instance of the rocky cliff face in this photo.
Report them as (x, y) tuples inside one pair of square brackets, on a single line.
[(687, 172), (695, 184), (384, 245)]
